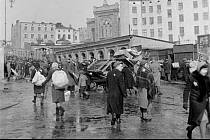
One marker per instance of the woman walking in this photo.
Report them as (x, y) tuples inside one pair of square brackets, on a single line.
[(57, 94), (199, 101), (146, 90)]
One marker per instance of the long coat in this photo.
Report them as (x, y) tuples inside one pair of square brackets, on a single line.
[(129, 79), (200, 88), (116, 92)]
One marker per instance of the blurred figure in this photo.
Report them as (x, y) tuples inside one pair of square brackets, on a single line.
[(199, 100), (57, 94), (82, 84), (156, 69), (8, 65), (116, 92)]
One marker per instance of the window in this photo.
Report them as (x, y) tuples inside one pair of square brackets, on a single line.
[(69, 36), (45, 36), (75, 37), (39, 28), (151, 20), (134, 21), (144, 21), (52, 36), (151, 9), (134, 9), (181, 18), (64, 37), (159, 19), (58, 30), (196, 30), (206, 29), (195, 16), (205, 3), (160, 32), (45, 28), (135, 32), (152, 33), (32, 28), (170, 25), (143, 9), (51, 28), (32, 36), (39, 36), (25, 35), (144, 32), (169, 2), (158, 9), (68, 30), (170, 37), (25, 27), (64, 30), (169, 13), (59, 36), (205, 15), (195, 4), (180, 6), (181, 31)]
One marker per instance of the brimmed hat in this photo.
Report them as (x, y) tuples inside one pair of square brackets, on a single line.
[(117, 63)]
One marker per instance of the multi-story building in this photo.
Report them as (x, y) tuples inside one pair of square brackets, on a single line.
[(105, 23), (66, 34), (179, 21), (23, 34)]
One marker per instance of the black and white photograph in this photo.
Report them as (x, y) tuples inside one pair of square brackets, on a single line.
[(104, 69)]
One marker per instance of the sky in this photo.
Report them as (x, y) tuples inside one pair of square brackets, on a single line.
[(74, 12)]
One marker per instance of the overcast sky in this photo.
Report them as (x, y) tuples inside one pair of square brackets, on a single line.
[(72, 12)]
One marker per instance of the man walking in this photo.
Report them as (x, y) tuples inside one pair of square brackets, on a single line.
[(116, 92)]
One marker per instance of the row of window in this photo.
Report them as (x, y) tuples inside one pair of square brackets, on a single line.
[(64, 30), (159, 19), (180, 7), (64, 37), (39, 28), (38, 36), (181, 31)]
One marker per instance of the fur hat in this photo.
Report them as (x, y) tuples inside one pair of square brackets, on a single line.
[(201, 65)]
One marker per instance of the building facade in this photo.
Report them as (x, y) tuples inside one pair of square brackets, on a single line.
[(105, 23), (68, 34), (105, 49), (179, 21), (23, 34)]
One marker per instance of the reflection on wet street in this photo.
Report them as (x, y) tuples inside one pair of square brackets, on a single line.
[(88, 118)]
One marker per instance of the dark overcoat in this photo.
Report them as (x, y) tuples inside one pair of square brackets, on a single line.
[(200, 86), (116, 92), (38, 89), (129, 79)]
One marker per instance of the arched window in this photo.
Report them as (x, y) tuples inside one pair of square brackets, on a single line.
[(111, 53), (101, 55), (70, 56), (91, 55), (77, 56), (83, 56)]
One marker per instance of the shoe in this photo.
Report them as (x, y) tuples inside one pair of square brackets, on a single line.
[(34, 101), (189, 132), (113, 121), (41, 103)]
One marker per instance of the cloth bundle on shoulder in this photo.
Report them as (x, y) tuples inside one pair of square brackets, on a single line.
[(38, 78), (60, 79)]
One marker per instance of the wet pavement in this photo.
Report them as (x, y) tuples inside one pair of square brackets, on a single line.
[(20, 118)]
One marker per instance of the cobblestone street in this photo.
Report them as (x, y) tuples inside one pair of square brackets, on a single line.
[(88, 118)]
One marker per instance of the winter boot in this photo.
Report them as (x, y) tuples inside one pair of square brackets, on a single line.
[(34, 100)]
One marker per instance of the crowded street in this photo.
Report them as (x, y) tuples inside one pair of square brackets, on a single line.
[(20, 118)]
